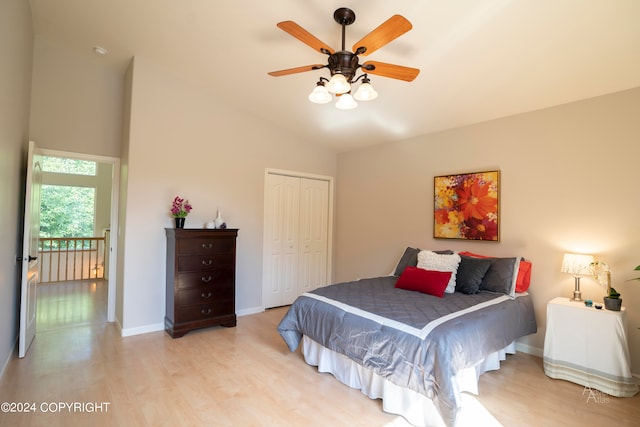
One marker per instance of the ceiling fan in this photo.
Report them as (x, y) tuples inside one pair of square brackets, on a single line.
[(344, 64)]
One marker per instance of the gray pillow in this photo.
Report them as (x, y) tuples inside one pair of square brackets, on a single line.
[(499, 277), (471, 271), (409, 258)]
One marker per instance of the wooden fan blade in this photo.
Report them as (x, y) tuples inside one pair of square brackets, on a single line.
[(305, 37), (389, 70), (296, 70), (389, 30)]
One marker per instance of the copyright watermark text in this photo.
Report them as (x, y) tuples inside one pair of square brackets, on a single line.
[(55, 407)]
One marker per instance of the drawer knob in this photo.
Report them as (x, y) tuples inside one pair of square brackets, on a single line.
[(206, 296), (205, 312), (206, 279), (207, 245), (208, 262)]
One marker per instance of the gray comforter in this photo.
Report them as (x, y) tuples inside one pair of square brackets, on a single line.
[(412, 339)]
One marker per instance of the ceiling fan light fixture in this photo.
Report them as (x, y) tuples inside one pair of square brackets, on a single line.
[(365, 92), (320, 94), (343, 64), (346, 102), (338, 84)]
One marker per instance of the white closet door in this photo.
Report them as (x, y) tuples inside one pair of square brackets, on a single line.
[(314, 215), (296, 237), (282, 208)]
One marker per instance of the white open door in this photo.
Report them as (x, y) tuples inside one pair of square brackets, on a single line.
[(29, 258)]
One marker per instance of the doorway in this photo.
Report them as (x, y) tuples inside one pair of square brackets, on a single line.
[(81, 286)]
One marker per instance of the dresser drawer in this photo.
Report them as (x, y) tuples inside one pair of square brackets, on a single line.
[(204, 262), (205, 245), (205, 295), (210, 310), (199, 279)]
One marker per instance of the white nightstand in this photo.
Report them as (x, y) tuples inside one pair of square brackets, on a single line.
[(588, 346)]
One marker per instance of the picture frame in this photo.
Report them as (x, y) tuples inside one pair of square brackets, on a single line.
[(467, 206)]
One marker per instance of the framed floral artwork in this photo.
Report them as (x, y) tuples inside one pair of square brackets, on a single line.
[(467, 206)]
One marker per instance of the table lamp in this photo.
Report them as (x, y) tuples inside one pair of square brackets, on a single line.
[(577, 265)]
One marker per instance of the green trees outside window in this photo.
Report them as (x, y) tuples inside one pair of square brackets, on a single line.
[(65, 210)]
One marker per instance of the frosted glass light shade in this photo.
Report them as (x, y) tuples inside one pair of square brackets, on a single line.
[(338, 84), (346, 102), (365, 92), (320, 95)]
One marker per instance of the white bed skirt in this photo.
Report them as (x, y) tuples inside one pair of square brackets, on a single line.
[(414, 407)]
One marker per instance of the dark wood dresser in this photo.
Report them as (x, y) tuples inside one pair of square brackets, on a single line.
[(201, 279)]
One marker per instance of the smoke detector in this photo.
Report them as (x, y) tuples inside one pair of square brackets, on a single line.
[(100, 51)]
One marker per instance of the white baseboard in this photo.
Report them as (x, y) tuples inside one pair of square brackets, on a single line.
[(12, 353), (127, 332), (249, 311), (525, 348)]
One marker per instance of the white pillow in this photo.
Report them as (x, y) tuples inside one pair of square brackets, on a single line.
[(430, 260)]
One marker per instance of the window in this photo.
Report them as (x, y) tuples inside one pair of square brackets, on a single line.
[(70, 166), (67, 211), (67, 198)]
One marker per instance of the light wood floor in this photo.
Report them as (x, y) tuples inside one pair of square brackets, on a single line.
[(242, 376)]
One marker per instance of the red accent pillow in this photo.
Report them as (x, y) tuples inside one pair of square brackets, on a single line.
[(524, 272), (524, 276), (426, 281)]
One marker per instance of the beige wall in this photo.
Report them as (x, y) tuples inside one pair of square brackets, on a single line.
[(103, 198), (120, 231), (77, 103), (16, 52), (569, 179), (182, 141)]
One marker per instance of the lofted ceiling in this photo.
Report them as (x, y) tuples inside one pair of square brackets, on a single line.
[(479, 59)]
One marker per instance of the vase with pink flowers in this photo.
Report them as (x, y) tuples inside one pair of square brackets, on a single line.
[(180, 208)]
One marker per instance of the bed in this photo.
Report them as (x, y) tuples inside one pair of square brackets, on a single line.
[(420, 336)]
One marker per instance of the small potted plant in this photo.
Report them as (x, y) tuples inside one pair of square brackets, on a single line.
[(179, 210), (612, 300), (602, 273)]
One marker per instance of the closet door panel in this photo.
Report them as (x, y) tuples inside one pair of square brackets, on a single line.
[(282, 213), (314, 216)]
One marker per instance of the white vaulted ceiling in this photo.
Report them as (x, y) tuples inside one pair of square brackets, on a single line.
[(479, 59)]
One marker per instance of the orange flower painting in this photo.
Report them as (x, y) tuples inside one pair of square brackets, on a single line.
[(466, 206)]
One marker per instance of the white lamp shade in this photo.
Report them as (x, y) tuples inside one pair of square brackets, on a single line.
[(320, 95), (346, 102), (577, 264), (338, 84), (365, 92)]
